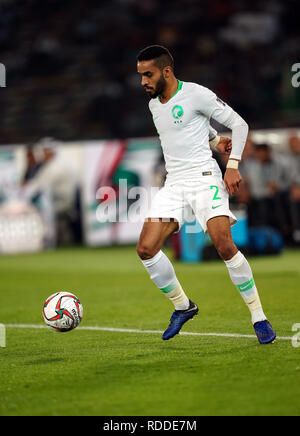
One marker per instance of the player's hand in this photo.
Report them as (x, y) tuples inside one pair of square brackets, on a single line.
[(224, 146), (232, 179)]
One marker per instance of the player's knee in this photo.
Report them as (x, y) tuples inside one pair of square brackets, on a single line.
[(145, 251)]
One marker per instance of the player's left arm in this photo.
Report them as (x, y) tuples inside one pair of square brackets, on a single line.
[(239, 127), (223, 144), (218, 110), (213, 107)]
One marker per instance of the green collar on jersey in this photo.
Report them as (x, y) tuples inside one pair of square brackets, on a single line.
[(180, 83)]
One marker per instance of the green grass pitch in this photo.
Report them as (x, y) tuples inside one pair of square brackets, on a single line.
[(104, 373)]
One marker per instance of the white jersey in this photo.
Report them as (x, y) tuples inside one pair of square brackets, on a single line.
[(183, 126)]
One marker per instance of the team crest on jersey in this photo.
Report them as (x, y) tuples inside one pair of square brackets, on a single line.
[(177, 112)]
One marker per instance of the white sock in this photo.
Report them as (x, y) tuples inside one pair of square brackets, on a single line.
[(163, 275), (241, 275)]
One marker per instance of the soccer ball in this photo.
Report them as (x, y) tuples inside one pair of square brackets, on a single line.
[(62, 311)]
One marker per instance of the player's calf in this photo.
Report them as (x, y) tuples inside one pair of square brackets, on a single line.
[(162, 273), (241, 275), (225, 247)]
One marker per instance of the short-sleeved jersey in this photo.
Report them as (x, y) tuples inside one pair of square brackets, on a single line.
[(183, 125)]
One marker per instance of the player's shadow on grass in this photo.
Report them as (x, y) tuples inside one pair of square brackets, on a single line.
[(45, 361), (227, 349)]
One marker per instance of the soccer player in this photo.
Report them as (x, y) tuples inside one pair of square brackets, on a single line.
[(181, 113)]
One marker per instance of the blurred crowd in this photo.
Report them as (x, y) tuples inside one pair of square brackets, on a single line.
[(71, 66), (51, 183), (270, 190)]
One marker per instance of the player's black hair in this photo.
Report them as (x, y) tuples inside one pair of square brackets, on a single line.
[(161, 56)]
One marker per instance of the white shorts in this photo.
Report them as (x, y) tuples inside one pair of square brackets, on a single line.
[(204, 199)]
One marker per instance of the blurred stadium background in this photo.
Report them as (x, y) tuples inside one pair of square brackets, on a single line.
[(74, 116)]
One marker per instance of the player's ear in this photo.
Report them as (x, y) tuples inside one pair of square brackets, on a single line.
[(167, 72)]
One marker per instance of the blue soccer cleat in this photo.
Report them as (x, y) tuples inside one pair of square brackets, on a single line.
[(264, 332), (178, 318)]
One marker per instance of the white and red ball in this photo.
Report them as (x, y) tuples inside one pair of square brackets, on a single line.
[(62, 311)]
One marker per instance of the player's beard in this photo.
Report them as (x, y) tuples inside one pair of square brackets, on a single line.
[(160, 87)]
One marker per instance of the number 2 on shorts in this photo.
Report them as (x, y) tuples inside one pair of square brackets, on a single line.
[(216, 192)]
